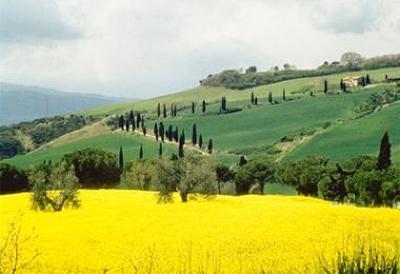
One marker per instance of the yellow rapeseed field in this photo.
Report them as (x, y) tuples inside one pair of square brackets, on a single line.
[(121, 231)]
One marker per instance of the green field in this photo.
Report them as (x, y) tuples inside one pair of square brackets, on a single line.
[(110, 142), (255, 130), (344, 141)]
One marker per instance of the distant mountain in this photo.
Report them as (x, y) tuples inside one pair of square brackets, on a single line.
[(24, 103)]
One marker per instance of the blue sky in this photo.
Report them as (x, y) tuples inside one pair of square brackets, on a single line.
[(148, 48)]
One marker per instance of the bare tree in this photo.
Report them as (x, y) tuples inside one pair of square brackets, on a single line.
[(15, 247)]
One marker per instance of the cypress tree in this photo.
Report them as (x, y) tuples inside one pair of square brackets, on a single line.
[(133, 124), (384, 160), (343, 85), (170, 133), (142, 122), (131, 116), (200, 141), (144, 130), (367, 79), (386, 77), (160, 151), (223, 104), (176, 135), (193, 108), (121, 122), (181, 145), (363, 81), (210, 146), (183, 135), (325, 86), (138, 118), (155, 131), (203, 106), (256, 101), (194, 135), (158, 110), (284, 95), (252, 98), (174, 110), (121, 158), (161, 131), (127, 124), (270, 97), (141, 152), (242, 161), (165, 111)]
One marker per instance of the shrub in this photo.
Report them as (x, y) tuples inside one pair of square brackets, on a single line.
[(332, 185), (94, 168), (12, 179), (255, 172), (10, 147), (390, 188), (142, 175), (224, 174), (304, 174)]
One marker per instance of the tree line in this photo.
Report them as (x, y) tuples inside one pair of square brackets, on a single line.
[(364, 180), (251, 77)]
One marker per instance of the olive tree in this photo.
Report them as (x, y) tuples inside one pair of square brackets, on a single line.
[(54, 187), (193, 174)]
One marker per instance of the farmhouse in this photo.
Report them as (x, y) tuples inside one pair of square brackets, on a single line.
[(353, 81)]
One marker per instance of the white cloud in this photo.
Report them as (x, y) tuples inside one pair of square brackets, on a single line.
[(146, 48), (33, 20), (347, 16)]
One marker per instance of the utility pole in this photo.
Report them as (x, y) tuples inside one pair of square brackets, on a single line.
[(47, 107)]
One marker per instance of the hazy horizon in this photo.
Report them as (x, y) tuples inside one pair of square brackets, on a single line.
[(142, 49)]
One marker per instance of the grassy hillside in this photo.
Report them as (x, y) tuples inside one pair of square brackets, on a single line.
[(257, 128), (109, 141), (127, 231), (344, 141), (317, 125), (214, 94)]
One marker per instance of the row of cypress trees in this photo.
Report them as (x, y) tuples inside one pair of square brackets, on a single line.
[(181, 152), (133, 122), (174, 111), (254, 99)]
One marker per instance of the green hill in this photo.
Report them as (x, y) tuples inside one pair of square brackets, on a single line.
[(304, 124), (344, 141), (213, 94)]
